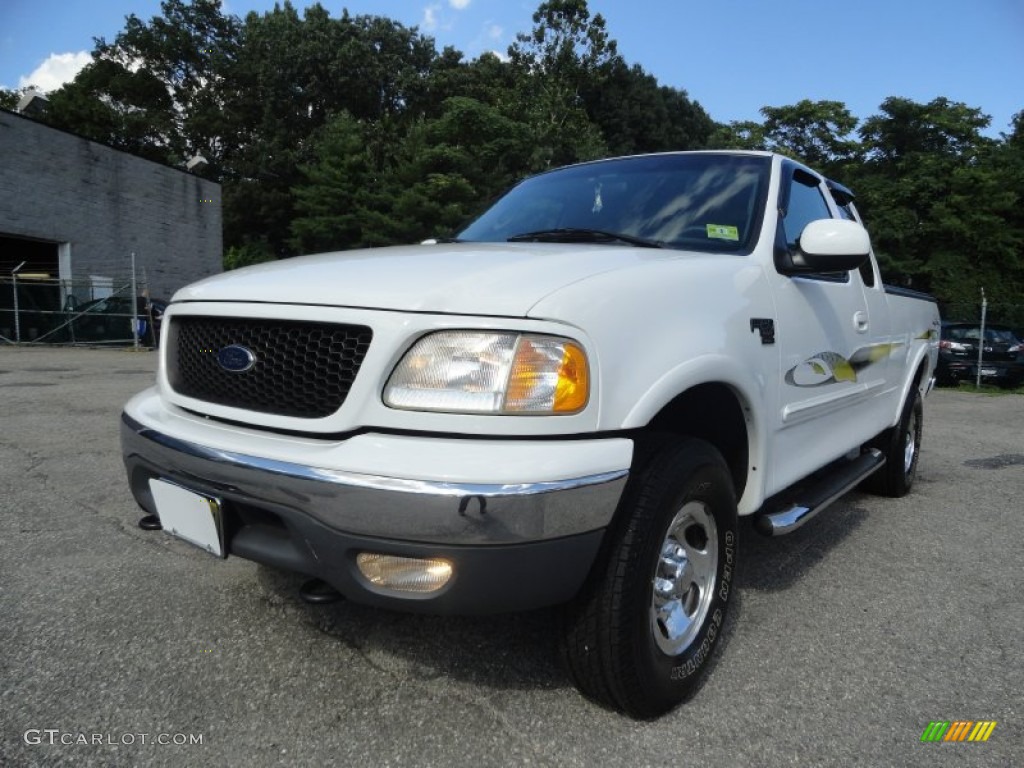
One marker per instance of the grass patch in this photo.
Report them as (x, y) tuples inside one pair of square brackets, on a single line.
[(988, 389)]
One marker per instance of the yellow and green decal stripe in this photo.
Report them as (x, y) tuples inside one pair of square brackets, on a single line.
[(958, 730)]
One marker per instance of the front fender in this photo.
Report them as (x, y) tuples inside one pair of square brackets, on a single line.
[(748, 388)]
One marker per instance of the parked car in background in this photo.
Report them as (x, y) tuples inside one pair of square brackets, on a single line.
[(1002, 355), (110, 319)]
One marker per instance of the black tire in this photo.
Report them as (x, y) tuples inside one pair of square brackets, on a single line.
[(901, 446), (615, 649)]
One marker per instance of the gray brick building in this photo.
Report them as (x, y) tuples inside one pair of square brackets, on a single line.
[(70, 207)]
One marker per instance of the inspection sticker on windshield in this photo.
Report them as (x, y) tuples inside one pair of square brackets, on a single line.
[(722, 232)]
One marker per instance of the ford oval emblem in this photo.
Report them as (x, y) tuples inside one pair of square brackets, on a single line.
[(236, 358)]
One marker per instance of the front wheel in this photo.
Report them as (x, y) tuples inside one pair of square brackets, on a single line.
[(640, 635)]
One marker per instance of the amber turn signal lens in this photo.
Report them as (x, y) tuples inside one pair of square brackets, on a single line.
[(548, 375), (573, 381)]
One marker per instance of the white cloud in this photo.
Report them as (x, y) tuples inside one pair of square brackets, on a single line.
[(501, 56), (59, 68), (429, 23), (495, 32), (459, 5)]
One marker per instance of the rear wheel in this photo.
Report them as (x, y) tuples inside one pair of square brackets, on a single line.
[(901, 446), (641, 633)]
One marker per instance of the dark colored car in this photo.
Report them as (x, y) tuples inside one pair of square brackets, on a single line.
[(1002, 355), (110, 319)]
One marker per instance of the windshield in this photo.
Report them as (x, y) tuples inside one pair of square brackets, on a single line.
[(695, 201)]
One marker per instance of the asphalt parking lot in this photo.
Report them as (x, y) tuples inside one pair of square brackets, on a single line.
[(846, 639)]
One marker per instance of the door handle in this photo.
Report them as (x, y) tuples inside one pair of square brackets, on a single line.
[(860, 321)]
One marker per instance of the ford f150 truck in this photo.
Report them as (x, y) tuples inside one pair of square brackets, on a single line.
[(570, 402)]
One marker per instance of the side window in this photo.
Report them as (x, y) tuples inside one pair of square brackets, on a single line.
[(867, 272), (806, 204)]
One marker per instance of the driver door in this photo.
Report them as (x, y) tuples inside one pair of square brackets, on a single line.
[(825, 335)]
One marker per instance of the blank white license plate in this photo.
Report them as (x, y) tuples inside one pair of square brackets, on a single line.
[(189, 516), (988, 371)]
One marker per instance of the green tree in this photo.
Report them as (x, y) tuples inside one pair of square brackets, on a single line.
[(1015, 140), (635, 114), (251, 252), (154, 89), (107, 102), (940, 200), (567, 52), (364, 191), (486, 79), (9, 97), (738, 134), (816, 132), (291, 77), (333, 200), (447, 168), (907, 130)]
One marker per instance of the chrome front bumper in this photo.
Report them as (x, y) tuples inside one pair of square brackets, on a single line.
[(515, 546), (413, 510)]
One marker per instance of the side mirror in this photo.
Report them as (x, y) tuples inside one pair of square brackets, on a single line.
[(828, 245)]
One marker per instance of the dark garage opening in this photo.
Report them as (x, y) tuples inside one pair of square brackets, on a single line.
[(40, 256), (39, 295)]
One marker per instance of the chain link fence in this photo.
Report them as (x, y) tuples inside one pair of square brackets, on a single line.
[(98, 310), (85, 310)]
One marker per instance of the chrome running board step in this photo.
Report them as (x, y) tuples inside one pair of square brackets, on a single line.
[(838, 480)]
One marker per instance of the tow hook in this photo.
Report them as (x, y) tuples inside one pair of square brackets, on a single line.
[(319, 592), (150, 523)]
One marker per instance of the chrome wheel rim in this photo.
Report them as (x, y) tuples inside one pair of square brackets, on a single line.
[(684, 578), (910, 444)]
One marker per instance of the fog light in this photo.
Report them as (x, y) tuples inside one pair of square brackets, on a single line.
[(404, 574)]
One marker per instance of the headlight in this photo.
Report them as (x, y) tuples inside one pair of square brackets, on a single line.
[(481, 372)]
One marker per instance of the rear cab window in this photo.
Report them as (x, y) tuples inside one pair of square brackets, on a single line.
[(843, 198)]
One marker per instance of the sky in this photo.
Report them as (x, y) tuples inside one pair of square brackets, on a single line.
[(732, 56)]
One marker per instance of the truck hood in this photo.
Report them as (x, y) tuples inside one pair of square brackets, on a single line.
[(460, 278)]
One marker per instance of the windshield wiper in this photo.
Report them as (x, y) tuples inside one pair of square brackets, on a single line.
[(575, 235)]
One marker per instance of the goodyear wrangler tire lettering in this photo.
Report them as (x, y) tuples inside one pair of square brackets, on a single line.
[(641, 633), (730, 556)]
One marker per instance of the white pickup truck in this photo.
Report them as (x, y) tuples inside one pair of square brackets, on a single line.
[(571, 402)]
